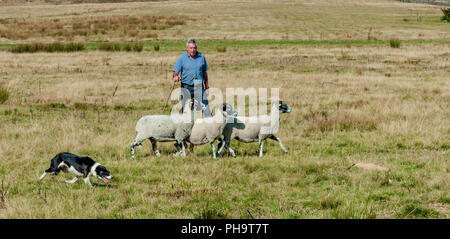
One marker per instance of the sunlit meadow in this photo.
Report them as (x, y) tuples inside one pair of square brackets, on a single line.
[(356, 100)]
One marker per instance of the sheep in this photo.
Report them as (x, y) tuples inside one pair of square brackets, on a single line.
[(256, 128), (165, 128), (208, 130)]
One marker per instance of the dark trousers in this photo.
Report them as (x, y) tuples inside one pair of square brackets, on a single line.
[(195, 92)]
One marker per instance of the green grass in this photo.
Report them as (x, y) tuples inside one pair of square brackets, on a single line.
[(171, 45), (4, 94), (395, 43)]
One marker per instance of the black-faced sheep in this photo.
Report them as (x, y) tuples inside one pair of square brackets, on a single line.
[(256, 128), (208, 130)]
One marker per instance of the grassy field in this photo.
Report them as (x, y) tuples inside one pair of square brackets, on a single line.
[(355, 99)]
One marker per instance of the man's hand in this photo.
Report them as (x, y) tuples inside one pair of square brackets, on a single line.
[(207, 92), (176, 77)]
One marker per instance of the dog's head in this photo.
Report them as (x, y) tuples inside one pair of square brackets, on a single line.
[(103, 173)]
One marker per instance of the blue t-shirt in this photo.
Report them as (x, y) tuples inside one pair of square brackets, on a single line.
[(190, 68)]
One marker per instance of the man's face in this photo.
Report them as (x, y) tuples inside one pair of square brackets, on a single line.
[(191, 49)]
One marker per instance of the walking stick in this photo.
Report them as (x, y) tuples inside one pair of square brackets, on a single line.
[(173, 86)]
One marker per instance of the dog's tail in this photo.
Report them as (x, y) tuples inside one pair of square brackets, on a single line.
[(53, 165), (49, 170), (43, 175)]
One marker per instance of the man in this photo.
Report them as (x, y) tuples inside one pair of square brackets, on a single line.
[(191, 69)]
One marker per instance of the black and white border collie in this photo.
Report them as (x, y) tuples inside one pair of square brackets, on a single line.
[(80, 166)]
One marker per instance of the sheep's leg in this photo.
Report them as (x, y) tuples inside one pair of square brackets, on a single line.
[(191, 147), (224, 144), (177, 147), (230, 150), (279, 142), (261, 145), (155, 147), (213, 147), (183, 149), (220, 145), (134, 144)]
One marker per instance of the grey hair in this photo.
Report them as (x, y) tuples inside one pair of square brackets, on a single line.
[(191, 40)]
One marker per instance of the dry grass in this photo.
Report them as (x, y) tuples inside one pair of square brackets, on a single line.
[(88, 103), (88, 28), (280, 20), (354, 103)]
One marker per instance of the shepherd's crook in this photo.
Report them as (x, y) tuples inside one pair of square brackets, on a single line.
[(173, 86)]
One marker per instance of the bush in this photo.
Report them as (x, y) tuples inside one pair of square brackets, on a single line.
[(127, 47), (446, 16), (47, 47), (138, 47), (121, 47), (156, 47), (4, 95), (109, 47), (394, 43), (50, 106), (221, 48)]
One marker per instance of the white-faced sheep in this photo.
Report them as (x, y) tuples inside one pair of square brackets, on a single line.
[(256, 128), (165, 128), (208, 130)]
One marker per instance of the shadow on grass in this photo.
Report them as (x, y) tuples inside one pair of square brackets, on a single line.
[(104, 185)]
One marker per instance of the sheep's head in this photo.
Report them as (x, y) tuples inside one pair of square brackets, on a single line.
[(228, 110), (191, 104), (198, 105), (283, 107)]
